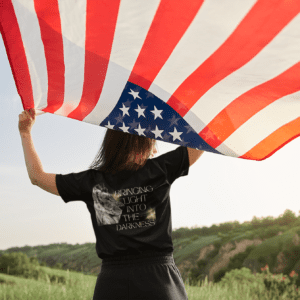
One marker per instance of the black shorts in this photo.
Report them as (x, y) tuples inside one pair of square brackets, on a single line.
[(146, 276)]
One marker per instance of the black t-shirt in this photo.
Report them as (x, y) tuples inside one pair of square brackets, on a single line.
[(130, 210)]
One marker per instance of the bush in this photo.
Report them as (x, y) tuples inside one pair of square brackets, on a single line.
[(241, 276), (57, 279), (219, 275), (34, 261), (288, 218), (292, 254), (14, 263), (43, 264), (18, 264), (39, 274), (217, 244), (202, 263), (278, 284), (195, 276), (58, 266), (34, 272), (269, 232)]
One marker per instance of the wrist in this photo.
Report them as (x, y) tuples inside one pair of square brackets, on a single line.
[(25, 134)]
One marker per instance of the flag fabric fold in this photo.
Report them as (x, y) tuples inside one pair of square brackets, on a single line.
[(219, 76)]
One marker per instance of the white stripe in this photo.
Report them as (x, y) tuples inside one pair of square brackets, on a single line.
[(134, 21), (73, 25), (262, 124), (279, 55), (34, 50), (213, 24)]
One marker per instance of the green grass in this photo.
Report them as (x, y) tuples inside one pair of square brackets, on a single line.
[(61, 284), (236, 291), (78, 286), (214, 291), (81, 286)]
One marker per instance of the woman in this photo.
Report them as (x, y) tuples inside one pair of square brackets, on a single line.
[(127, 195)]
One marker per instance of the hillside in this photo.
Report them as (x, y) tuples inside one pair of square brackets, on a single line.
[(200, 252), (80, 258)]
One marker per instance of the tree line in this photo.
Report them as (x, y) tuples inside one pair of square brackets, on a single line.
[(288, 218)]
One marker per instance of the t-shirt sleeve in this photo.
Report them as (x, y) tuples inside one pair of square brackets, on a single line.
[(175, 163), (73, 186)]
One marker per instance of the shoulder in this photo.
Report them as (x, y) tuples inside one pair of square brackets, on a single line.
[(174, 163), (76, 179), (76, 186)]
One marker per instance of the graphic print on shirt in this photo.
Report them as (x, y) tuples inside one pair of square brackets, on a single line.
[(128, 208), (106, 206)]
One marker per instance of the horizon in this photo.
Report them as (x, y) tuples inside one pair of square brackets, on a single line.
[(174, 229)]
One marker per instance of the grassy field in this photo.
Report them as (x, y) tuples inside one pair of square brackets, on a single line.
[(79, 286), (235, 291)]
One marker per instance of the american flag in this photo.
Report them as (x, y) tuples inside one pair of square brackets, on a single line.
[(220, 76)]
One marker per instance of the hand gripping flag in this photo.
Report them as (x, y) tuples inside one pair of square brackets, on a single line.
[(221, 76)]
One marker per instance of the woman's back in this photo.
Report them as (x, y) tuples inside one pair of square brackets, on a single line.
[(130, 210)]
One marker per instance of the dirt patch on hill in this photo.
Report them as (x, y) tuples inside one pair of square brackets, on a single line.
[(227, 251), (205, 251), (296, 240)]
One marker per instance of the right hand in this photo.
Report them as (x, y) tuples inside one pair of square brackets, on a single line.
[(26, 120)]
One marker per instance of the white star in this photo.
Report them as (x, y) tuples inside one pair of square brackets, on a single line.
[(124, 109), (124, 128), (156, 112), (109, 125), (140, 130), (157, 132), (176, 134), (134, 94), (140, 111)]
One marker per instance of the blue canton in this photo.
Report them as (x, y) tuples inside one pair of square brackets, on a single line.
[(140, 112)]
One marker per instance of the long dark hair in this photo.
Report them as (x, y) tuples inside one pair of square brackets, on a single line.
[(119, 151)]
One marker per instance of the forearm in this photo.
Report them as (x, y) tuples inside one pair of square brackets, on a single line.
[(33, 162)]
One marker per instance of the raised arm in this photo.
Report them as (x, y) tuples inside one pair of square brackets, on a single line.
[(194, 155), (37, 176)]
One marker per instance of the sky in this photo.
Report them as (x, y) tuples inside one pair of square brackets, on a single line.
[(217, 189)]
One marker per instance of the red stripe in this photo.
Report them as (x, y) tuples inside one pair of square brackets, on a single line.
[(50, 26), (12, 38), (100, 29), (251, 102), (274, 141), (171, 21), (209, 137), (263, 22)]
